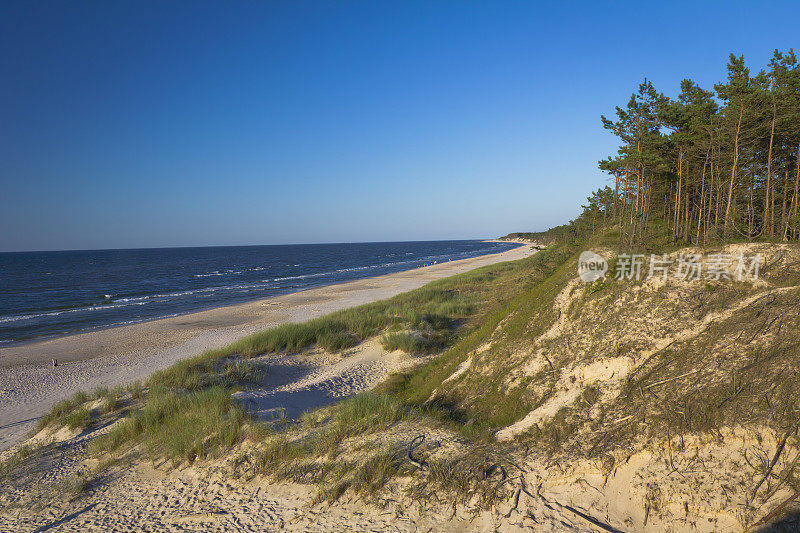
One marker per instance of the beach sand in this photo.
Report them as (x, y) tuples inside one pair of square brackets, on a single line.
[(29, 385)]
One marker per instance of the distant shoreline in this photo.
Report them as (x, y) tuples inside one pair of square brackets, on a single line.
[(526, 242), (29, 385), (117, 296)]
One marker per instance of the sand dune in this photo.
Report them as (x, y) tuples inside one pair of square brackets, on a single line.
[(29, 386)]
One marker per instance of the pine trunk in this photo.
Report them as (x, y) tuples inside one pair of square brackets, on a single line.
[(769, 202), (676, 230), (733, 168), (702, 199), (783, 204), (796, 199)]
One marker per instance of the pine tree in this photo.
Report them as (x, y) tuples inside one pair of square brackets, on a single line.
[(707, 165)]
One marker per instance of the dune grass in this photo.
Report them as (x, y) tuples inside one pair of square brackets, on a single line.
[(63, 409), (186, 413), (362, 414), (374, 473), (407, 342), (360, 445), (15, 459), (347, 328), (432, 312), (73, 412), (188, 426), (312, 452), (212, 368), (537, 282), (80, 418)]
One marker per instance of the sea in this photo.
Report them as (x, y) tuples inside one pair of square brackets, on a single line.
[(49, 294)]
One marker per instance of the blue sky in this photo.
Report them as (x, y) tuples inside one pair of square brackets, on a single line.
[(137, 124)]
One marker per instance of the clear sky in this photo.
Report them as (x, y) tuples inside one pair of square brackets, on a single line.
[(137, 124)]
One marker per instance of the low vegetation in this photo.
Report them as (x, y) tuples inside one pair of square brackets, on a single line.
[(182, 427), (314, 450), (408, 342), (185, 413), (506, 339), (79, 418), (75, 412), (477, 415), (421, 321), (62, 409), (16, 458)]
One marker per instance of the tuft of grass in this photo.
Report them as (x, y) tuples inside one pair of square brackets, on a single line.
[(136, 390), (475, 477), (375, 472), (8, 465), (335, 342), (181, 426), (62, 409), (364, 413), (80, 418), (75, 486), (207, 370), (369, 412), (328, 332), (110, 400), (276, 457), (333, 482), (309, 418), (407, 342)]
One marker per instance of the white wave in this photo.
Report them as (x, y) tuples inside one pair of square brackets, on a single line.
[(17, 318), (304, 276), (229, 271), (245, 288)]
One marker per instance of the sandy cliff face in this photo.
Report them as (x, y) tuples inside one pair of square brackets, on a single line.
[(659, 404)]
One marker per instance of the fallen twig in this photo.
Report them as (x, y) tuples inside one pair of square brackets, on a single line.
[(774, 512), (419, 439), (671, 379), (772, 463)]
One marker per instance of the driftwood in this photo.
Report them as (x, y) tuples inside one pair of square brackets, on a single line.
[(415, 443), (772, 514), (772, 463)]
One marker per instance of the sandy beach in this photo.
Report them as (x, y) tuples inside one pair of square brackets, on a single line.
[(29, 385)]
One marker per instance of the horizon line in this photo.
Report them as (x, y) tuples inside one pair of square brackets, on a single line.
[(237, 245)]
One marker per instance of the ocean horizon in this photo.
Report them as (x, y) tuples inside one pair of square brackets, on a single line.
[(46, 294)]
